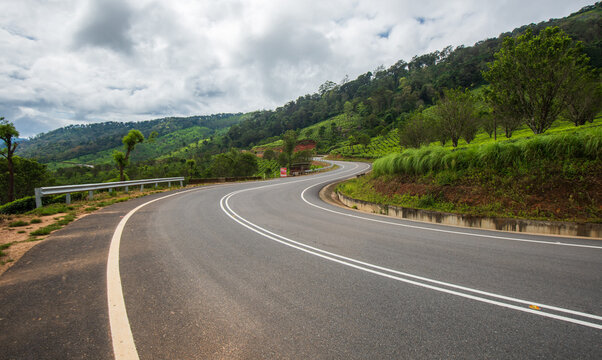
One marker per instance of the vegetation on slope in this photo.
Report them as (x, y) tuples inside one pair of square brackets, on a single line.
[(361, 118), (78, 140), (550, 176)]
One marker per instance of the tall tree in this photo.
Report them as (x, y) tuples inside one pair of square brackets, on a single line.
[(584, 100), (532, 75), (29, 174), (416, 131), (290, 141), (7, 133), (129, 141), (456, 113)]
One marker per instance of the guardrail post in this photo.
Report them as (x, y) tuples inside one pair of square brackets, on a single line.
[(169, 184), (90, 194), (142, 187), (156, 185), (127, 188), (181, 183), (68, 198), (110, 190), (38, 197)]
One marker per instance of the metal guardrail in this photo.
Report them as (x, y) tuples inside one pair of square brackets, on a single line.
[(90, 188)]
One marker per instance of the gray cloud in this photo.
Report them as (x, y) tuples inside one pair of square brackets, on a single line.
[(106, 24), (63, 61)]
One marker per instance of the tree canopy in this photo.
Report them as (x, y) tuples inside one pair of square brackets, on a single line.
[(8, 133), (533, 75)]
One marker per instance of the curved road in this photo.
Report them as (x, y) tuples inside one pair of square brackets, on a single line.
[(268, 270)]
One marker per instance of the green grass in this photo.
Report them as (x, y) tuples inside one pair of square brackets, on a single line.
[(378, 147), (381, 146), (551, 176), (61, 221), (52, 209), (45, 230), (585, 143), (2, 253), (35, 221), (18, 223)]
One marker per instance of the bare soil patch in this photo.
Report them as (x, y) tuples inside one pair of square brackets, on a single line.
[(15, 241), (548, 195)]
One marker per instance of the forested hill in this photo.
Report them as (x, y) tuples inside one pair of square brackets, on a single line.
[(383, 96), (79, 140), (379, 100)]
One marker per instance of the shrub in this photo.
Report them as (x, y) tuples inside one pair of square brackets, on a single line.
[(45, 230), (19, 206), (500, 155)]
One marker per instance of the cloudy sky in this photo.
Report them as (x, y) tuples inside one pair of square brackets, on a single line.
[(74, 61)]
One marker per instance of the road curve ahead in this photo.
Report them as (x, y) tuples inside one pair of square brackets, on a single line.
[(268, 270)]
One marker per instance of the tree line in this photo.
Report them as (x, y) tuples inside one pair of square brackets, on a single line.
[(533, 80)]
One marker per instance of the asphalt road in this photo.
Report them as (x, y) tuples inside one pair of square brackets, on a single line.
[(268, 270)]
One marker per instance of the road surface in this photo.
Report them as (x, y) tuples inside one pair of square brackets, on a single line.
[(268, 270)]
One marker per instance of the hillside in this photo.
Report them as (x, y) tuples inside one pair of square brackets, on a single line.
[(73, 143), (379, 100), (361, 118), (552, 176)]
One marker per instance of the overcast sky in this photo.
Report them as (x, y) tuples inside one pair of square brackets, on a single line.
[(74, 61)]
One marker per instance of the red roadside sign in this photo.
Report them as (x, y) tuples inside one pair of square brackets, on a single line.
[(282, 172)]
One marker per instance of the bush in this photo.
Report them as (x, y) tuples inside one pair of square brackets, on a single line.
[(500, 155), (23, 205), (19, 206)]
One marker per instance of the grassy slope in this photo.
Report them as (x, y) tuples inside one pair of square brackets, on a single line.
[(547, 189), (169, 143), (341, 121)]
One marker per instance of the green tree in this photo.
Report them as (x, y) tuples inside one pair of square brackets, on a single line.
[(488, 123), (290, 142), (584, 100), (233, 163), (269, 154), (322, 132), (532, 75), (363, 139), (222, 165), (191, 167), (456, 114), (416, 131), (7, 133), (29, 174), (246, 164), (129, 141)]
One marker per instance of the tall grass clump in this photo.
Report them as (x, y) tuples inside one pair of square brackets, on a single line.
[(585, 144)]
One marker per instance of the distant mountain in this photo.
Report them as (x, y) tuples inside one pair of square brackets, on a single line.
[(374, 104), (79, 140)]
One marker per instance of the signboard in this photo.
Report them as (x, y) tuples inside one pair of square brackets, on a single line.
[(282, 172)]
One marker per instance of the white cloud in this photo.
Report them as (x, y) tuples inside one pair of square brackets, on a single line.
[(71, 61)]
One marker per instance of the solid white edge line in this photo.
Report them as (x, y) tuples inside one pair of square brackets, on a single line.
[(442, 230), (459, 287), (432, 287), (122, 339), (121, 332), (330, 256)]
